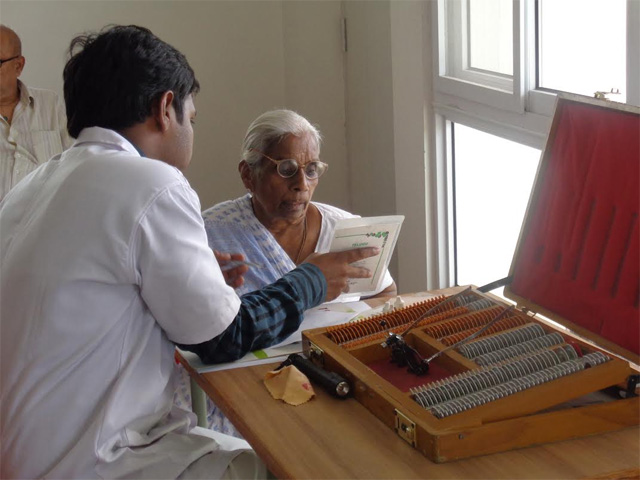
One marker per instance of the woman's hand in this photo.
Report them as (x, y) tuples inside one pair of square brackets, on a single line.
[(233, 275)]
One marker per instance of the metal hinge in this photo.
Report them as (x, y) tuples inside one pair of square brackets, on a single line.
[(316, 354), (406, 428)]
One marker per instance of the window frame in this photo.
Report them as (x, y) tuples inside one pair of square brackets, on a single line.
[(454, 77), (478, 94)]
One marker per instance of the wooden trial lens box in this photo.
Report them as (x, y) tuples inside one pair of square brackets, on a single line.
[(525, 380)]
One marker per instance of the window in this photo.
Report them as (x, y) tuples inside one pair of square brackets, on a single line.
[(510, 56), (586, 54), (491, 36), (498, 66), (478, 50), (492, 182)]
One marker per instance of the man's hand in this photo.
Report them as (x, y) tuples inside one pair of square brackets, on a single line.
[(234, 275), (337, 269)]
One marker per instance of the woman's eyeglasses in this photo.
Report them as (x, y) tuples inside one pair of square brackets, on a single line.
[(288, 167)]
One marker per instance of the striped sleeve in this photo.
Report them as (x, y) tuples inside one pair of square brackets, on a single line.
[(266, 316)]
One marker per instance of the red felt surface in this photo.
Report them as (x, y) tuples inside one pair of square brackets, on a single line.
[(580, 257), (403, 380)]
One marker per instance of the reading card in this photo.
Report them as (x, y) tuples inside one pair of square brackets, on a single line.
[(381, 232)]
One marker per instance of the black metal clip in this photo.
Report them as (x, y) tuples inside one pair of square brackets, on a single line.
[(405, 355)]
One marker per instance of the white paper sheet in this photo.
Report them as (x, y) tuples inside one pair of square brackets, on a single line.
[(323, 315)]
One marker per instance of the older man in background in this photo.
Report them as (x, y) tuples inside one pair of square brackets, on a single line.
[(33, 124)]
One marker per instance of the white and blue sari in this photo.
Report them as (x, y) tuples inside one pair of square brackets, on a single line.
[(232, 227)]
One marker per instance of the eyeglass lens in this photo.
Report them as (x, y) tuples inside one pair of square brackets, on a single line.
[(289, 167)]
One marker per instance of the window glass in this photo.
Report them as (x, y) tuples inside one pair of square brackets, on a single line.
[(493, 179), (491, 35), (583, 46)]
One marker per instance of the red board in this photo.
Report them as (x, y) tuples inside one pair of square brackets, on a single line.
[(579, 252)]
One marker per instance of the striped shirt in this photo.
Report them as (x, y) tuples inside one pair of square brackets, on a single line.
[(37, 132), (266, 316)]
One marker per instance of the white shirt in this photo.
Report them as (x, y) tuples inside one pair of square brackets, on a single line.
[(38, 131), (104, 263)]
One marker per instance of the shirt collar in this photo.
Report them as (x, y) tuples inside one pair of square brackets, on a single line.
[(25, 97), (106, 136)]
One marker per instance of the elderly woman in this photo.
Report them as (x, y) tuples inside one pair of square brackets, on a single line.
[(275, 225)]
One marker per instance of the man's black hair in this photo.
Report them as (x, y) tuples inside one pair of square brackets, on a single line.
[(118, 74)]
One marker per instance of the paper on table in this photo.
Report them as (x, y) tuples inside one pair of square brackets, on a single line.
[(379, 232), (323, 315), (267, 355)]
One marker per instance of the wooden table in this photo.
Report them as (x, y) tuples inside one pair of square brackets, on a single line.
[(331, 438)]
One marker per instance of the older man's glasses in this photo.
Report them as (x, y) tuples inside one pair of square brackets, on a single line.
[(8, 59), (288, 167)]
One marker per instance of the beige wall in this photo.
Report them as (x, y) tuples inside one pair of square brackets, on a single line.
[(371, 102), (249, 56), (388, 68)]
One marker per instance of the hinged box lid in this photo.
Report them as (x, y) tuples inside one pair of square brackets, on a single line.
[(577, 258)]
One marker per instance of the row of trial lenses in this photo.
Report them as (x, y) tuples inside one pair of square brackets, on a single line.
[(519, 349), (480, 304), (499, 326), (501, 340), (595, 358), (464, 300), (478, 380), (518, 384)]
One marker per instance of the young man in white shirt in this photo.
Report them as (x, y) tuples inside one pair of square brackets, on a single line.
[(105, 266)]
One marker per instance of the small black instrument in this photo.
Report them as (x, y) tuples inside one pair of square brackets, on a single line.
[(331, 382)]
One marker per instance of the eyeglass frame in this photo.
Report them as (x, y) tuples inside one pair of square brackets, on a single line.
[(278, 162), (9, 59)]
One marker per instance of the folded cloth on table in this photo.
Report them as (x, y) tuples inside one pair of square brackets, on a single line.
[(289, 385)]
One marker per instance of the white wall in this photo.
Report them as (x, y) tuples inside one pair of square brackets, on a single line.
[(249, 56), (370, 107)]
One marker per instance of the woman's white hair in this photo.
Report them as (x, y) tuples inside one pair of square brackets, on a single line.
[(271, 127)]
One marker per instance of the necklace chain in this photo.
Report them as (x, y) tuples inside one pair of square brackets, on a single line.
[(8, 106), (304, 240)]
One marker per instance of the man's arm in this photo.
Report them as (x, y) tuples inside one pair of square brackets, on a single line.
[(270, 315), (266, 316)]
